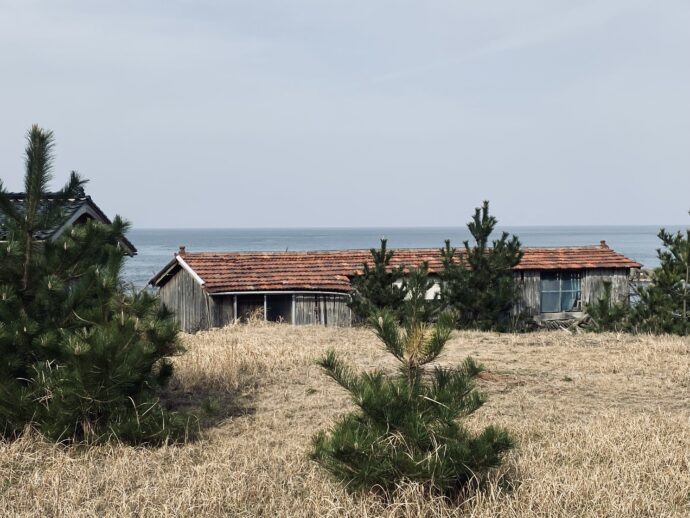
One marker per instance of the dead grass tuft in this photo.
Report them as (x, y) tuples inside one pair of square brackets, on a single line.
[(601, 420)]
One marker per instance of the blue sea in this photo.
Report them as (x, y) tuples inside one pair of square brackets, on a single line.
[(157, 246)]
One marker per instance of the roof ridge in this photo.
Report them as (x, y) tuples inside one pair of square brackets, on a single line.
[(49, 195), (350, 250), (245, 270)]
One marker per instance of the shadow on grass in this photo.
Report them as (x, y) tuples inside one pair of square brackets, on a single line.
[(209, 404)]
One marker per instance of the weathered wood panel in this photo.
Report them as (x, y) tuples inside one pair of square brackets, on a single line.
[(195, 310), (529, 284), (337, 313), (188, 300), (307, 310), (328, 310), (593, 285), (592, 289), (224, 310)]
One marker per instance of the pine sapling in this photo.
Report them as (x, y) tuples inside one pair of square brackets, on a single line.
[(407, 424)]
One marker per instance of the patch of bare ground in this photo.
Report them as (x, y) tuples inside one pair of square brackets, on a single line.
[(602, 423)]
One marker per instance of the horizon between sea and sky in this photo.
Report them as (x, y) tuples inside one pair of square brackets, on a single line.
[(349, 114), (364, 119)]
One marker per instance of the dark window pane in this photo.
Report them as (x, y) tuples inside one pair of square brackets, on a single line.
[(571, 284), (550, 282), (568, 300), (550, 302)]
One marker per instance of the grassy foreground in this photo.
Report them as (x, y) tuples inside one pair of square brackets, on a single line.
[(602, 423)]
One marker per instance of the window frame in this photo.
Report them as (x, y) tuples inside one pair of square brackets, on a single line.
[(563, 277)]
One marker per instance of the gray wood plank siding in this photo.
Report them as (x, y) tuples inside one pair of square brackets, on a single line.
[(529, 283), (188, 300), (338, 314), (592, 289), (224, 310), (328, 310), (593, 285), (195, 310)]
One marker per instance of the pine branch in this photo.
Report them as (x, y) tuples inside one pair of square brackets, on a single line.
[(385, 326)]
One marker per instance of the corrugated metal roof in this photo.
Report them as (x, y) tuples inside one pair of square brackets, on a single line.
[(330, 270)]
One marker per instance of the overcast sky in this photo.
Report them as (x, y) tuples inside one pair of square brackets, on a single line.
[(356, 113)]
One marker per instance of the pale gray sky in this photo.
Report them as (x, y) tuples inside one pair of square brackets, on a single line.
[(356, 113)]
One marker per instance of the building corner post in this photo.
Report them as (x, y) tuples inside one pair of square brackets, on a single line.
[(294, 310)]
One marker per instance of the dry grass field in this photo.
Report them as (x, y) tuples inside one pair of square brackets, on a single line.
[(602, 423)]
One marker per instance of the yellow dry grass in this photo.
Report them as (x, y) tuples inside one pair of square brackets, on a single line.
[(601, 420)]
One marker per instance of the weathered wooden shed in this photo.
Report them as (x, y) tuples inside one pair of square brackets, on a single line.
[(215, 289), (557, 283)]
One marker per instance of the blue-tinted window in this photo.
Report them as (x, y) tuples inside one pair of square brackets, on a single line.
[(560, 291)]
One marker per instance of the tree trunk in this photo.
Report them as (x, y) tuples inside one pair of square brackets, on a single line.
[(27, 261), (685, 288)]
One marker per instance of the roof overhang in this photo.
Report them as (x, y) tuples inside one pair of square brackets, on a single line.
[(280, 292), (169, 270), (90, 209)]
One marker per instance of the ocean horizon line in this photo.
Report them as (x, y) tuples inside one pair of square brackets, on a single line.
[(421, 227)]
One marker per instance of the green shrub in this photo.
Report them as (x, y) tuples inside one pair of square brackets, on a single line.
[(407, 428), (478, 283), (605, 315), (664, 306), (81, 357), (378, 286)]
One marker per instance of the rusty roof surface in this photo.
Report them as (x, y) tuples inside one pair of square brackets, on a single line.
[(574, 258), (331, 270)]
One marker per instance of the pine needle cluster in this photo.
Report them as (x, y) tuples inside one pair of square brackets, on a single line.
[(82, 358), (478, 282), (378, 286), (663, 306), (407, 425)]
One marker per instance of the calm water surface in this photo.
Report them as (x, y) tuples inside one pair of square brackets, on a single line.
[(156, 246)]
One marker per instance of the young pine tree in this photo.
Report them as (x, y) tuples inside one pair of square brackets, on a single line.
[(81, 359), (664, 306), (406, 427), (417, 307), (379, 286), (607, 315), (478, 283)]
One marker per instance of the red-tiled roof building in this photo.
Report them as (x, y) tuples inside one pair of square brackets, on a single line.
[(214, 289)]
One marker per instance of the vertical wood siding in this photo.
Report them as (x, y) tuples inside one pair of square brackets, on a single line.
[(593, 285), (529, 283), (306, 310), (328, 310), (338, 314), (195, 310), (188, 300), (592, 288), (224, 310)]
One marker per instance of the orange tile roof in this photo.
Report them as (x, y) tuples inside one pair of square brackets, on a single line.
[(574, 258), (330, 270)]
